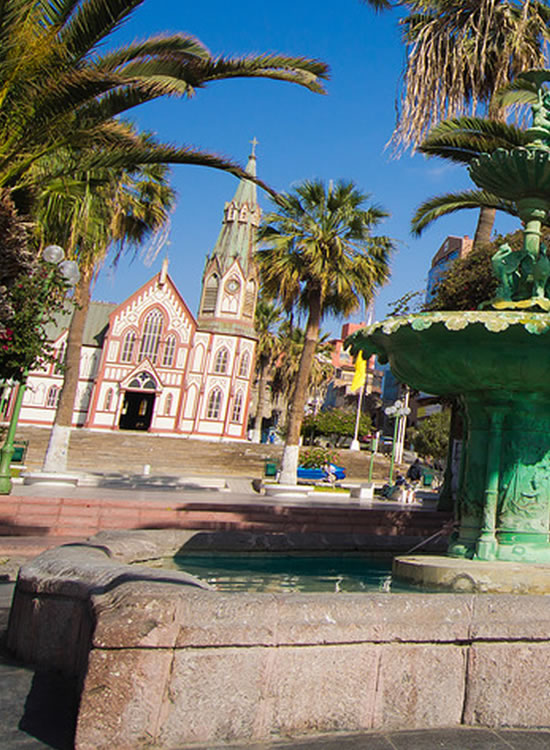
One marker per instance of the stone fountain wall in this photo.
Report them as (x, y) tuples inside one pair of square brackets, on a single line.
[(164, 663)]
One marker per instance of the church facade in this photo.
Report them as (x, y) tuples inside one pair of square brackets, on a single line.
[(148, 364)]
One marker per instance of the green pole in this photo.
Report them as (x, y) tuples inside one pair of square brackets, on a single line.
[(393, 448), (372, 454), (6, 452)]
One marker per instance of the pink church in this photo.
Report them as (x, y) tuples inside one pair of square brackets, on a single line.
[(148, 364)]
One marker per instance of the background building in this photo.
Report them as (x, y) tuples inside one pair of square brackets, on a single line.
[(451, 249), (338, 393)]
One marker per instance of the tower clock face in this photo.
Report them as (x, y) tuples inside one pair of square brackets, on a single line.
[(232, 286)]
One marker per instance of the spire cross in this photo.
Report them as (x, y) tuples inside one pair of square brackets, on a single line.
[(254, 143)]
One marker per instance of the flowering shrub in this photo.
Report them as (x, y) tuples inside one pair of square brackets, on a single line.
[(33, 299), (315, 458)]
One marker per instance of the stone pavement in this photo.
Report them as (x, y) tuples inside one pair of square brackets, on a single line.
[(428, 739)]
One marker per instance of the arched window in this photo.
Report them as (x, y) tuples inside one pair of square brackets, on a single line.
[(198, 358), (143, 381), (151, 336), (168, 405), (245, 363), (169, 349), (53, 396), (128, 347), (222, 358), (237, 407), (214, 404), (108, 400), (210, 296)]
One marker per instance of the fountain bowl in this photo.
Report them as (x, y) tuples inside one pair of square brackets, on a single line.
[(162, 661)]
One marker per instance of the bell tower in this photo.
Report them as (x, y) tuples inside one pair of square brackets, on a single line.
[(230, 281)]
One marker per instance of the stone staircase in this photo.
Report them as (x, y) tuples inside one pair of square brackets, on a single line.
[(128, 452)]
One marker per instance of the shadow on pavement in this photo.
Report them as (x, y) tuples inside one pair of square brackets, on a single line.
[(138, 481), (50, 710)]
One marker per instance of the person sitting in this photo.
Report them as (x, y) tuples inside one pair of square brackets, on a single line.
[(399, 480), (415, 472), (330, 471)]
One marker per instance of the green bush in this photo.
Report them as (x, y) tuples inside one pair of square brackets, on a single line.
[(336, 424)]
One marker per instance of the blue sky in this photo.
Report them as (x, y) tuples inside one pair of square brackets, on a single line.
[(301, 135)]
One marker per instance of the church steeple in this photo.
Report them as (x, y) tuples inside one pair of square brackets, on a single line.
[(241, 219), (230, 281)]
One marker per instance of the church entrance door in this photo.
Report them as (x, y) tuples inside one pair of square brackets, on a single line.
[(137, 411)]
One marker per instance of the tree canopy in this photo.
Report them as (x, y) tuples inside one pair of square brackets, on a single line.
[(336, 424), (431, 435)]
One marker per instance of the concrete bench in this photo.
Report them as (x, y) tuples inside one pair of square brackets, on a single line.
[(364, 492)]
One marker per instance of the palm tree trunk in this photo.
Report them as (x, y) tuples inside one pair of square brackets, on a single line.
[(486, 219), (484, 227), (260, 407), (58, 447), (291, 450)]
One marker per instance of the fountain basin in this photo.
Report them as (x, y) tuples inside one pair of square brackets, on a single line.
[(497, 365), (163, 662)]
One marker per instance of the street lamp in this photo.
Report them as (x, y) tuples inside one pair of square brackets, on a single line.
[(55, 256), (396, 411)]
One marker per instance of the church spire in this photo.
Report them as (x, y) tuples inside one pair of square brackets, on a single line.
[(230, 280), (240, 222)]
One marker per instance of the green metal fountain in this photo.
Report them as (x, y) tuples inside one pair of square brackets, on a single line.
[(496, 362)]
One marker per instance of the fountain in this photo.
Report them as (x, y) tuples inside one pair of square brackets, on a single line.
[(495, 361)]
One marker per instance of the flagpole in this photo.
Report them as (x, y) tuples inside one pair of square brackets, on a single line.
[(355, 446), (358, 383)]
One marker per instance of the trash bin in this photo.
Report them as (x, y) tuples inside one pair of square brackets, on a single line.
[(427, 479), (18, 453), (270, 467)]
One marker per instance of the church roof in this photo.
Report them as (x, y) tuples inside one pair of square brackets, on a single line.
[(95, 327)]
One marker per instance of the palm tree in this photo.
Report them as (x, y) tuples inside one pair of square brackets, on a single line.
[(319, 256), (292, 340), (93, 215), (460, 140), (58, 90), (459, 54), (267, 319)]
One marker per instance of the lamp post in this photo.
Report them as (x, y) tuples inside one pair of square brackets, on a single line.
[(55, 256), (396, 411)]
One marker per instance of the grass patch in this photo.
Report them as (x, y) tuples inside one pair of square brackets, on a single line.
[(325, 488)]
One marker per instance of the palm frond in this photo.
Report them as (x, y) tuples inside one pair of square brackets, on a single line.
[(463, 138), (180, 45), (442, 205), (138, 155), (521, 91), (91, 21)]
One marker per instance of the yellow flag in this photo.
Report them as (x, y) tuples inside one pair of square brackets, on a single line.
[(360, 374)]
